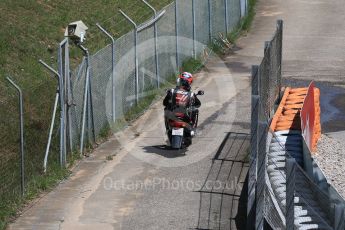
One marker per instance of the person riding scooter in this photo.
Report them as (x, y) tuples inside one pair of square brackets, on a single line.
[(182, 100)]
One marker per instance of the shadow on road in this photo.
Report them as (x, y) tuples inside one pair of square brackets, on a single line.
[(223, 194), (165, 151)]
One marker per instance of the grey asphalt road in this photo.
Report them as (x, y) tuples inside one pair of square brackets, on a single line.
[(147, 186)]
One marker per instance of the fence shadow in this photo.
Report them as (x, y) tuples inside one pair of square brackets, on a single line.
[(223, 196)]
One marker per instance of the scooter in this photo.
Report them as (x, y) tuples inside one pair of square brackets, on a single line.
[(181, 127)]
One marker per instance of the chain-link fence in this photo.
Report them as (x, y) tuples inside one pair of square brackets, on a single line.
[(183, 31), (266, 85)]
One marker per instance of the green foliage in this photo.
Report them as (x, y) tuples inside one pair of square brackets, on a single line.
[(192, 65), (105, 132), (217, 46)]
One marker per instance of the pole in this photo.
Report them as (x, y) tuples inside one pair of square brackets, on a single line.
[(194, 32), (226, 9), (252, 177), (51, 131), (86, 90), (177, 35), (62, 112), (69, 100), (21, 130), (62, 74), (113, 104), (156, 43), (210, 19), (280, 27), (135, 54)]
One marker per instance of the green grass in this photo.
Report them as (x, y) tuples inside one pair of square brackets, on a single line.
[(192, 65), (10, 202)]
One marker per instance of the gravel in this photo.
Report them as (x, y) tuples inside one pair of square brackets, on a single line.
[(330, 157)]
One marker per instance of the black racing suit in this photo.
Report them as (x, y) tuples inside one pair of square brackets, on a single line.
[(183, 101)]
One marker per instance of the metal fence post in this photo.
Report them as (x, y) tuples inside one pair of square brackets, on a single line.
[(226, 9), (194, 31), (83, 120), (290, 192), (51, 131), (156, 42), (21, 130), (280, 53), (62, 112), (63, 69), (210, 19), (252, 177), (135, 54), (268, 77), (113, 101), (261, 182), (69, 95), (177, 35)]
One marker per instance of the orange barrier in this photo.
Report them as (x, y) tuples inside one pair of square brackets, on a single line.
[(287, 116), (317, 126)]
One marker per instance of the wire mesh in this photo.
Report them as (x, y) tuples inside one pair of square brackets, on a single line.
[(271, 213), (185, 29), (234, 14), (101, 73), (201, 25), (218, 17), (268, 75), (166, 27), (147, 61), (125, 73), (77, 85)]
